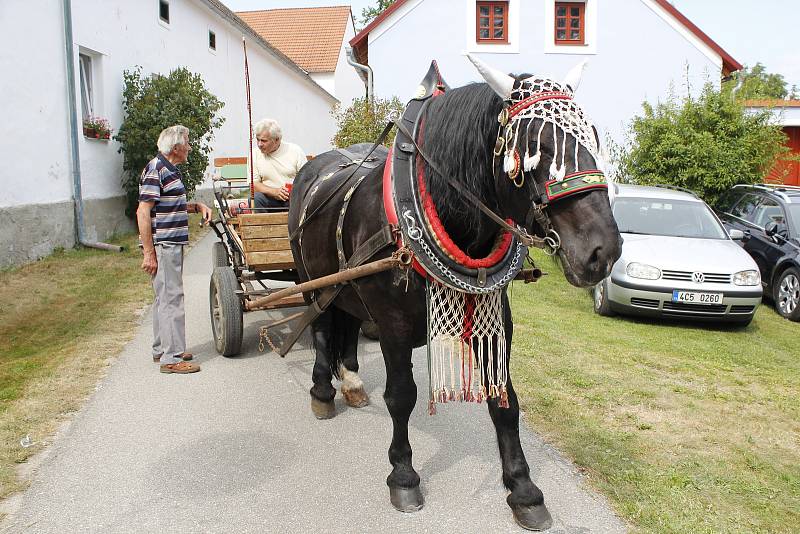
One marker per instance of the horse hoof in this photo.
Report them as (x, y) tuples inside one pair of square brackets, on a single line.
[(322, 410), (355, 398), (406, 499), (532, 517)]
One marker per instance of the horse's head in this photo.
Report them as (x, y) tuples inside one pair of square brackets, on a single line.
[(547, 171)]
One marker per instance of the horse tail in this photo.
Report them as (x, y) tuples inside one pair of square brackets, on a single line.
[(333, 324)]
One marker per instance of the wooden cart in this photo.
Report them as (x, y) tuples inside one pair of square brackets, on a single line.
[(253, 249)]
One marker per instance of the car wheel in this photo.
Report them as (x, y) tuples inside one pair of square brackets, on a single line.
[(601, 305), (787, 294)]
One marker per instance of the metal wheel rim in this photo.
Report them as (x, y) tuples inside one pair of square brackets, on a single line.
[(599, 295), (216, 314), (789, 294)]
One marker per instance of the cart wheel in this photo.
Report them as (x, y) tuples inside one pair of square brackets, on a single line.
[(226, 311), (219, 255)]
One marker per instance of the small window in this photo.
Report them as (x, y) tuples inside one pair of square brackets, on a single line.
[(87, 85), (570, 23), (163, 11), (746, 207), (492, 22), (212, 40), (766, 212)]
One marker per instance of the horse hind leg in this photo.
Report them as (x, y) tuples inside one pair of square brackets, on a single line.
[(352, 387), (322, 392)]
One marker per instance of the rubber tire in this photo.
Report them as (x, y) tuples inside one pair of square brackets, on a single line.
[(795, 314), (600, 300), (228, 329), (369, 330), (219, 255)]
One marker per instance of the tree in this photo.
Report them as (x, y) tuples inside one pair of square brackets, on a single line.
[(152, 103), (369, 13), (363, 122), (758, 83), (706, 144)]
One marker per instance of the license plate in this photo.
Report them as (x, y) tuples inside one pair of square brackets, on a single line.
[(692, 297)]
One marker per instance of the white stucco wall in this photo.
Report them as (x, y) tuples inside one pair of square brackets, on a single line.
[(349, 85), (34, 150), (122, 34), (634, 54)]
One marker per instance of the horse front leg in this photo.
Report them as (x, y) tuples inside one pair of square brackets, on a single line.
[(526, 499), (400, 397)]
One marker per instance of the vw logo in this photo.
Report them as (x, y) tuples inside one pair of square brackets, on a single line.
[(698, 278)]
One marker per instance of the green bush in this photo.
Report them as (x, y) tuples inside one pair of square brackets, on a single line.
[(363, 122), (706, 144), (152, 103)]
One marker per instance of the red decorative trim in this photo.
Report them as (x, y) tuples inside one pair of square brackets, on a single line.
[(391, 213), (522, 105), (576, 190), (444, 240)]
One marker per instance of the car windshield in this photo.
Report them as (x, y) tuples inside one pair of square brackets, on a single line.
[(677, 218)]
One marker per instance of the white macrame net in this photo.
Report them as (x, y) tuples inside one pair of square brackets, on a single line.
[(563, 114), (466, 346)]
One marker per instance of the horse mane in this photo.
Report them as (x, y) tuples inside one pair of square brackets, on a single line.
[(459, 133)]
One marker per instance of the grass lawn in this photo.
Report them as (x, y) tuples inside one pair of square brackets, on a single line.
[(684, 427), (63, 318)]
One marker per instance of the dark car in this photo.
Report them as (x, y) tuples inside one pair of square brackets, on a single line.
[(769, 216)]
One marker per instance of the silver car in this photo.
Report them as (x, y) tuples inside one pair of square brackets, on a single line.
[(677, 260)]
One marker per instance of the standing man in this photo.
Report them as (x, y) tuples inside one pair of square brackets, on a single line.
[(164, 231), (276, 164)]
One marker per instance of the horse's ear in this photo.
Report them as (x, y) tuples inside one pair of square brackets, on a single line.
[(501, 83), (573, 78)]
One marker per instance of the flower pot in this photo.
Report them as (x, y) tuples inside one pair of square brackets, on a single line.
[(89, 132)]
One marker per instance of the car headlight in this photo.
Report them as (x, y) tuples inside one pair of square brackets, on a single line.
[(642, 270), (747, 278)]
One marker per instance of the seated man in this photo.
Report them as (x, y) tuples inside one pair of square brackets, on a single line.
[(276, 164)]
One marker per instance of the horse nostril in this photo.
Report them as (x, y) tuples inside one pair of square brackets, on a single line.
[(595, 259)]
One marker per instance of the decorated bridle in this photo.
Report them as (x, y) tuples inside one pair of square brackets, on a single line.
[(551, 103)]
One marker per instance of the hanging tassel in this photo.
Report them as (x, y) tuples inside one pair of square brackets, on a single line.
[(556, 173), (508, 162), (531, 162), (431, 407), (503, 397)]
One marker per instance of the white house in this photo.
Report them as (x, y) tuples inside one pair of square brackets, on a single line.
[(315, 38), (38, 200), (637, 49)]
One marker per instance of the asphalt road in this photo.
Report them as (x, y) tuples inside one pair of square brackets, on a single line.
[(235, 448)]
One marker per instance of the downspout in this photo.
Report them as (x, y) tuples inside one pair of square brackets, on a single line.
[(73, 127), (351, 59)]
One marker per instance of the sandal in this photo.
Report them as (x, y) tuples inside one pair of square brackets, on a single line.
[(180, 368)]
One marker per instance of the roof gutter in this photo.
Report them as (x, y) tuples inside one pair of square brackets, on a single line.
[(77, 194), (351, 59)]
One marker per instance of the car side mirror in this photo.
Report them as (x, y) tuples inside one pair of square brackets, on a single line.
[(736, 235), (775, 229)]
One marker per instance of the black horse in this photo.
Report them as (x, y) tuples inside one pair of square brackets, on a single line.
[(460, 142)]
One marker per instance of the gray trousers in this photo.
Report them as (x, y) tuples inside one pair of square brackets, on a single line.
[(169, 319)]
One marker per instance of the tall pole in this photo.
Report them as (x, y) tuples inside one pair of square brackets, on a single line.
[(250, 124)]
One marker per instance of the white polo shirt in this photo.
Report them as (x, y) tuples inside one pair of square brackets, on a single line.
[(275, 169)]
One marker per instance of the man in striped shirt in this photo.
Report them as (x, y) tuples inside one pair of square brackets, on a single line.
[(163, 223)]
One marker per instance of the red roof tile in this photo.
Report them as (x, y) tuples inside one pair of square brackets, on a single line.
[(311, 37)]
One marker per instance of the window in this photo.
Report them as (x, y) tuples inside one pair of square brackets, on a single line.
[(492, 22), (163, 11), (745, 208), (768, 211), (87, 86), (212, 40), (570, 23)]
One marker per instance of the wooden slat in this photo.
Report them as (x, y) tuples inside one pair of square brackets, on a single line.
[(265, 245), (269, 266), (254, 219), (271, 259), (265, 232), (221, 162)]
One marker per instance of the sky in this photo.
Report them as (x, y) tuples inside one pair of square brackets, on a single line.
[(750, 31)]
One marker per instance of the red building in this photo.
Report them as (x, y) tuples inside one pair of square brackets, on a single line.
[(787, 113)]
